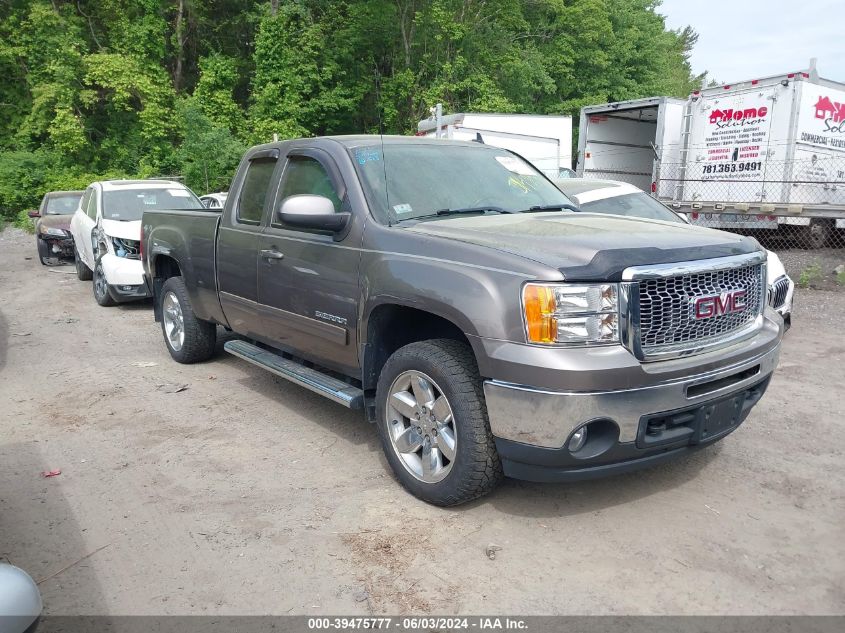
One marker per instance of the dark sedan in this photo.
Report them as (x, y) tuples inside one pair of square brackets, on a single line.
[(52, 227)]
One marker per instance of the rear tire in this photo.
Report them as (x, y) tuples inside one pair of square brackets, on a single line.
[(188, 339), (102, 293), (83, 273), (446, 456)]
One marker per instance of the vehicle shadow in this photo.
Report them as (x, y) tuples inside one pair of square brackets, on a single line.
[(41, 535), (348, 425), (4, 340), (135, 306), (519, 498), (529, 499)]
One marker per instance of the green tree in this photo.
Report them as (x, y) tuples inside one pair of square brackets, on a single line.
[(97, 88), (210, 153)]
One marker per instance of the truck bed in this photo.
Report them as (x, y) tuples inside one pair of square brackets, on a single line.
[(175, 233)]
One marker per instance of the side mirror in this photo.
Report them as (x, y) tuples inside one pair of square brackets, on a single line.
[(307, 211), (34, 213)]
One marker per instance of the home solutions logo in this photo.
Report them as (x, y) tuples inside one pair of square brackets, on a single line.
[(739, 117)]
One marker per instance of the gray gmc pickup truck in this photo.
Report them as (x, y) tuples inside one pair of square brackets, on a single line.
[(456, 296)]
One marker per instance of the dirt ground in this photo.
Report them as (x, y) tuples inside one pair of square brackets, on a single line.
[(246, 494)]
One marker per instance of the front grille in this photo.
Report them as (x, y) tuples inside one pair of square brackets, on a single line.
[(777, 296), (667, 316)]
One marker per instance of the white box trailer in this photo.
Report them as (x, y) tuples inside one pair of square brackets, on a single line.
[(544, 140), (629, 140), (774, 144), (758, 154)]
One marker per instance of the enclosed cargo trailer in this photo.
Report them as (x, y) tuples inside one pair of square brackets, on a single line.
[(764, 154), (629, 140)]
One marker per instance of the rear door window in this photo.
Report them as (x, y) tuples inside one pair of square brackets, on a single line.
[(92, 205), (255, 189)]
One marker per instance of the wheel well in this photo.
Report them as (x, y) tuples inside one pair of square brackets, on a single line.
[(391, 327), (166, 267)]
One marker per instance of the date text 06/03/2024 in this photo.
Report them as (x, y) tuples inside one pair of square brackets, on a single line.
[(417, 623)]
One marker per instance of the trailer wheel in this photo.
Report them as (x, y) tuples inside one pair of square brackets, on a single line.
[(817, 233)]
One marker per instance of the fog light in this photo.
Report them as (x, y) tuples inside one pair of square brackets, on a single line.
[(577, 440)]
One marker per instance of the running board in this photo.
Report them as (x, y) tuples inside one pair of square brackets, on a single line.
[(316, 381)]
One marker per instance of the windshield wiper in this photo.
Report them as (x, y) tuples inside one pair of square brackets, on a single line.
[(553, 207), (470, 210), (442, 212)]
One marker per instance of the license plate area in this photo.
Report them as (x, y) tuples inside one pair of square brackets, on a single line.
[(699, 424)]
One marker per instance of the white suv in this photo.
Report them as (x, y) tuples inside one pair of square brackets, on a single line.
[(621, 198), (106, 230)]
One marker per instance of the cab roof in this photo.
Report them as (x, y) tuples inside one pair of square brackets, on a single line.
[(115, 185), (353, 141)]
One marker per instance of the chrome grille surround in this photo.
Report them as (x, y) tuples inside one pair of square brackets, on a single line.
[(778, 292), (656, 305)]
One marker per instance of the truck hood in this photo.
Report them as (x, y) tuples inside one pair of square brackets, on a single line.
[(130, 230), (590, 246), (56, 221)]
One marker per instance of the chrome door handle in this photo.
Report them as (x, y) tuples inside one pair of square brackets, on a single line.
[(272, 254)]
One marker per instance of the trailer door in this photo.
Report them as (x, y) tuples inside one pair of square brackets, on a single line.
[(618, 145), (818, 165), (729, 144)]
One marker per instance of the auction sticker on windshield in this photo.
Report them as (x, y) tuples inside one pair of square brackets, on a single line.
[(511, 163)]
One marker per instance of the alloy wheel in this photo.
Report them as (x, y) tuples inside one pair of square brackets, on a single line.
[(421, 426), (174, 321)]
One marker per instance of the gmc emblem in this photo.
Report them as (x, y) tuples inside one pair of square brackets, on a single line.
[(717, 305)]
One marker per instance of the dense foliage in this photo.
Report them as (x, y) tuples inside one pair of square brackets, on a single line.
[(108, 88)]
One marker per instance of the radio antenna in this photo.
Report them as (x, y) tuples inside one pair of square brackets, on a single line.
[(380, 113)]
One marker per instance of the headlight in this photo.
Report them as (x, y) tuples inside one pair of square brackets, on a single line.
[(575, 314), (49, 230)]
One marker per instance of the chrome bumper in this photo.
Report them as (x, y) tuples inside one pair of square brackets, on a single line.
[(547, 418)]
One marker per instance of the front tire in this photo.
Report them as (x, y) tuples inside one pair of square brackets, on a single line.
[(43, 252), (188, 339), (432, 419), (101, 287), (83, 273)]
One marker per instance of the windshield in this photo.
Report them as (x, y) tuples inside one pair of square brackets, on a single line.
[(637, 205), (62, 205), (423, 179), (129, 204)]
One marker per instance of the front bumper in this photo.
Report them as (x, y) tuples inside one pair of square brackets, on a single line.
[(129, 293), (533, 425), (122, 271), (125, 278), (58, 246), (661, 436)]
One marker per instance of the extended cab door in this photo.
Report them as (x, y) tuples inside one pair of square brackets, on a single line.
[(308, 279), (238, 243), (82, 225)]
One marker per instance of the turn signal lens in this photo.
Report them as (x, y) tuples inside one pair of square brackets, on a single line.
[(539, 303)]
